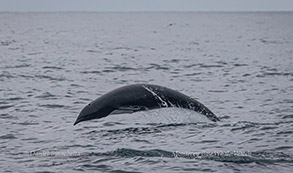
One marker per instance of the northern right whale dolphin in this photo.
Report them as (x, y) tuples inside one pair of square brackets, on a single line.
[(140, 97)]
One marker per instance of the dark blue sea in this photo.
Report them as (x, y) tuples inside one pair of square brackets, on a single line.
[(239, 65)]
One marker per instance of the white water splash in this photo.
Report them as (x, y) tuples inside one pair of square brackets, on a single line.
[(167, 115)]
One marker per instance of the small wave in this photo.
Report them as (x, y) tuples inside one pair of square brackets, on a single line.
[(93, 51), (191, 65), (91, 72), (125, 152), (119, 48), (53, 67), (34, 53), (14, 98), (7, 116), (260, 157), (260, 124), (27, 123), (286, 132), (112, 123), (50, 77), (7, 42), (192, 74), (18, 66), (240, 65), (277, 74), (6, 74), (7, 136), (122, 68), (287, 117), (5, 106), (52, 105), (265, 74), (108, 71), (267, 41), (158, 67), (217, 91), (242, 125), (210, 66), (46, 95), (174, 60)]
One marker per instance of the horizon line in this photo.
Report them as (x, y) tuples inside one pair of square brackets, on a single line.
[(142, 11)]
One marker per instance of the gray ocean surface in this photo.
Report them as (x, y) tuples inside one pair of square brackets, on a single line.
[(240, 65)]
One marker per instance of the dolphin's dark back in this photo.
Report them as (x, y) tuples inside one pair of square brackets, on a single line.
[(173, 98), (138, 97)]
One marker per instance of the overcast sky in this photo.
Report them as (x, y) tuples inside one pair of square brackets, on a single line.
[(146, 5)]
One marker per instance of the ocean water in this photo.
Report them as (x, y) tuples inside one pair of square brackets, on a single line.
[(240, 65)]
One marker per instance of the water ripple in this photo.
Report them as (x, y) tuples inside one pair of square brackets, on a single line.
[(7, 136), (260, 157)]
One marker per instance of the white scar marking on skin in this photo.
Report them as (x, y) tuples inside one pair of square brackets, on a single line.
[(164, 104)]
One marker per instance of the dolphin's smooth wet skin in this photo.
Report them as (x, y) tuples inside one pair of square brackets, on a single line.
[(140, 97)]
